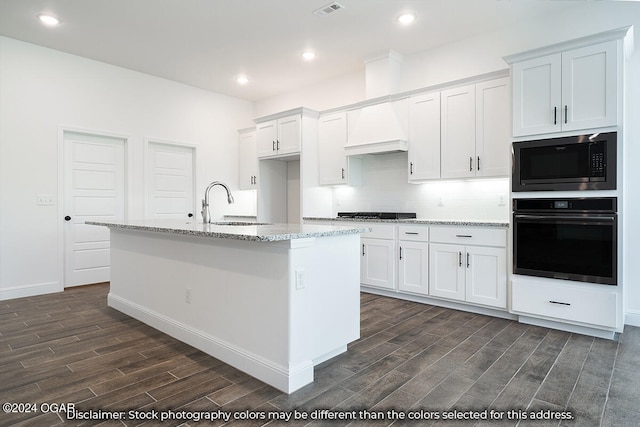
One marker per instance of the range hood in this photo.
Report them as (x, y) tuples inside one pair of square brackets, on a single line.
[(382, 125), (378, 128)]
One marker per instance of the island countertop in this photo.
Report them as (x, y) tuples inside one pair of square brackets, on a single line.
[(424, 221), (260, 232)]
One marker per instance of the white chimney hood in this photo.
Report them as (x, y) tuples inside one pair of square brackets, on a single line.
[(380, 126)]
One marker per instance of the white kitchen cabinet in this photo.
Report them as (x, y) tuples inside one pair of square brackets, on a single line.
[(334, 167), (424, 137), (279, 137), (566, 91), (378, 263), (248, 178), (493, 133), (468, 264), (458, 132), (413, 259)]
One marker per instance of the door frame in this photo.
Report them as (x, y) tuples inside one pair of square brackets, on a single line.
[(145, 169), (62, 129)]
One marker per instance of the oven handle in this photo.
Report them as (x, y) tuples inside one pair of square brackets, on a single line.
[(567, 217)]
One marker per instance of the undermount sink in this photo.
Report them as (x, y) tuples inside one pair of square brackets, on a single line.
[(238, 223)]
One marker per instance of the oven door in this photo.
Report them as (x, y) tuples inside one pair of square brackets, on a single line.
[(580, 247)]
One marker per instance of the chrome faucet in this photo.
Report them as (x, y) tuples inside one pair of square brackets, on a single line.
[(206, 216)]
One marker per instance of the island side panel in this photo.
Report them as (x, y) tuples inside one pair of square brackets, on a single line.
[(245, 306)]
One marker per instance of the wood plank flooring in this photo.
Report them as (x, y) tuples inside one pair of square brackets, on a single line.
[(413, 359)]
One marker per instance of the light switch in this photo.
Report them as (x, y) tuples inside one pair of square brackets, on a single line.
[(46, 200)]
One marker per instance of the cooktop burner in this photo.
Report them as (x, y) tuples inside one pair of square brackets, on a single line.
[(377, 215)]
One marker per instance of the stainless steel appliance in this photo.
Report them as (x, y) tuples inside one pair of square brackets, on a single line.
[(377, 215), (582, 162), (573, 239)]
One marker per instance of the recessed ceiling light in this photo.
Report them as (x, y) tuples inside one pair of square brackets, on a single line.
[(49, 20), (406, 18), (309, 55), (242, 80)]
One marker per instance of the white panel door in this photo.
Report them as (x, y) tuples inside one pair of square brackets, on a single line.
[(169, 181), (289, 134), (413, 275), (332, 137), (94, 189), (493, 132), (486, 276), (378, 263), (424, 137), (458, 132), (446, 271)]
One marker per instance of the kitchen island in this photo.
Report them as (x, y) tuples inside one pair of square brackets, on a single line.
[(272, 300)]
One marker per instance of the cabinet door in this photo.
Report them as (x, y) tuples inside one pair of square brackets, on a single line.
[(536, 95), (248, 161), (266, 135), (486, 276), (378, 263), (493, 133), (413, 262), (332, 160), (424, 137), (589, 87), (446, 271), (289, 135), (458, 140)]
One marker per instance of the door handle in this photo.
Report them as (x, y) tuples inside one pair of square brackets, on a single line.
[(470, 164), (363, 249), (565, 114), (459, 259), (467, 259), (410, 168), (478, 164), (67, 218), (190, 215), (555, 115)]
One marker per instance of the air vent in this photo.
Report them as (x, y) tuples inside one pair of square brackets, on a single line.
[(330, 8)]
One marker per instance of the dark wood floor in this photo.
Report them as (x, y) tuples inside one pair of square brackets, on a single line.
[(413, 359)]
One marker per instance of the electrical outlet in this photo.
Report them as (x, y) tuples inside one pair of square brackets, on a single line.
[(300, 279), (502, 200), (187, 296), (440, 201)]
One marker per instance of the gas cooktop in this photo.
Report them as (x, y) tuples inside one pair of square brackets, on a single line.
[(377, 215)]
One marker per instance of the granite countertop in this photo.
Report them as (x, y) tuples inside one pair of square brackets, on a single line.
[(460, 222), (259, 232)]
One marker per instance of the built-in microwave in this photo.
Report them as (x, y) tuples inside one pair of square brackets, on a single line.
[(570, 163)]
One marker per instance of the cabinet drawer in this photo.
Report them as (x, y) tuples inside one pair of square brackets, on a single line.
[(565, 302), (469, 236), (418, 233)]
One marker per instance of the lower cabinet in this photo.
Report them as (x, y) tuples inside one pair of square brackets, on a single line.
[(377, 267), (413, 259), (470, 273)]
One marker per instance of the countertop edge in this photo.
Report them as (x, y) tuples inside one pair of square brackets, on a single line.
[(468, 223), (265, 236)]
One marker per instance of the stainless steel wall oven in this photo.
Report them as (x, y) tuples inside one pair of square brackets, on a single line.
[(572, 239)]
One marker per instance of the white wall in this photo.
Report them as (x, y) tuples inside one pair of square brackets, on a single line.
[(478, 55), (42, 89)]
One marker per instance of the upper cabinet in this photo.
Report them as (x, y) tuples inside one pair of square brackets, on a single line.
[(248, 159), (570, 90), (279, 136), (334, 167), (462, 132)]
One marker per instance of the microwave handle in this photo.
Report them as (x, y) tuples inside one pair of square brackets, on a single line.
[(565, 217)]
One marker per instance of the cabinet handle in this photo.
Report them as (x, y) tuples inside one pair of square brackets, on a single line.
[(411, 232), (478, 164), (470, 164), (565, 114), (410, 168), (459, 259), (273, 146), (468, 236), (400, 253), (255, 179), (342, 173), (363, 249), (468, 260), (277, 144), (559, 303), (555, 115)]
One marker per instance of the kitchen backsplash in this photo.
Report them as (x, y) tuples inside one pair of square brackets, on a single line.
[(385, 188)]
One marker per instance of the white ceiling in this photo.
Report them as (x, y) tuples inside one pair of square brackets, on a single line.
[(207, 43)]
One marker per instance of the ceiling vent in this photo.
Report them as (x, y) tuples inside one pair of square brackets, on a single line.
[(330, 8)]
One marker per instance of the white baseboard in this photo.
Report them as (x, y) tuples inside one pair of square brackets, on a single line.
[(568, 327), (286, 379), (30, 290), (632, 318)]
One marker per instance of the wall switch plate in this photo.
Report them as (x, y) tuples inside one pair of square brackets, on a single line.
[(502, 200), (440, 201), (46, 200), (187, 296)]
